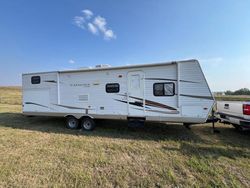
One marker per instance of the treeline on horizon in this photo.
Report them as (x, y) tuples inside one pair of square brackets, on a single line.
[(243, 91)]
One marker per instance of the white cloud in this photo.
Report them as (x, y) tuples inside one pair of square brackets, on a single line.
[(100, 22), (79, 21), (71, 61), (95, 25), (87, 13), (92, 28), (109, 34)]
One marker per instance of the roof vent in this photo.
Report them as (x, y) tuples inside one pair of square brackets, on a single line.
[(102, 66), (83, 68)]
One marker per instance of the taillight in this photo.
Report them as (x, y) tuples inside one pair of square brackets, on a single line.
[(246, 109)]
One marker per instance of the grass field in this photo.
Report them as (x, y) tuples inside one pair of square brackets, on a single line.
[(41, 152), (233, 98)]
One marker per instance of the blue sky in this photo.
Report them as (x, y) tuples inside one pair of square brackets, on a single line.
[(68, 34)]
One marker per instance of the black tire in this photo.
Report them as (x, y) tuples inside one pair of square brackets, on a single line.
[(72, 122), (88, 124)]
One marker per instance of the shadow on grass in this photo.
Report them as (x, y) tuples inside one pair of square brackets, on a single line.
[(105, 128), (229, 143), (211, 151)]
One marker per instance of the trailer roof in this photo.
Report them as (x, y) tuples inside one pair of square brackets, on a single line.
[(114, 68)]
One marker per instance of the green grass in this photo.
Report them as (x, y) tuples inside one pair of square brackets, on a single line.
[(41, 152)]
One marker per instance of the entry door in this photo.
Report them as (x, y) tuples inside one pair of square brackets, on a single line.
[(136, 93)]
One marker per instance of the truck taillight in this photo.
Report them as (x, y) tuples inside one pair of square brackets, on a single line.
[(246, 109)]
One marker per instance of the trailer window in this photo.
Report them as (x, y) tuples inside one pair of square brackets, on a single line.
[(35, 79), (164, 89), (112, 88)]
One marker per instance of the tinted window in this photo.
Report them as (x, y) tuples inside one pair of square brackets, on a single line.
[(164, 89), (112, 88), (35, 79), (158, 89)]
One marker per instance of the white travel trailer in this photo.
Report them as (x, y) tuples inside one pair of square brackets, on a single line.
[(161, 92)]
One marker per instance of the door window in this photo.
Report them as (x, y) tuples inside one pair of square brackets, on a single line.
[(135, 82)]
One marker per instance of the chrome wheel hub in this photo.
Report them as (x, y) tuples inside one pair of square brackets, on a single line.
[(72, 123), (87, 124)]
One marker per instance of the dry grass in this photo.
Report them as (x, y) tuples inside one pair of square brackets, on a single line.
[(40, 152), (10, 95)]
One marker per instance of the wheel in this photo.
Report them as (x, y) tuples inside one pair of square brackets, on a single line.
[(72, 122), (88, 124)]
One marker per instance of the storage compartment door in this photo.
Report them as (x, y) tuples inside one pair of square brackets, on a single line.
[(36, 100)]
